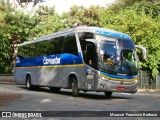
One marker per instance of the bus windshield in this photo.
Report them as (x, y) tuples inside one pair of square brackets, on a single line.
[(117, 61)]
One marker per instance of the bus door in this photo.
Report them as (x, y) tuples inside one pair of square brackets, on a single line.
[(91, 65)]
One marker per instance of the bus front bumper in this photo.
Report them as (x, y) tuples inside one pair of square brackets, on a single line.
[(117, 86)]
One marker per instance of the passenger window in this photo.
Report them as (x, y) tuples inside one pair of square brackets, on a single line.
[(35, 49), (57, 45), (42, 48), (82, 38), (70, 45)]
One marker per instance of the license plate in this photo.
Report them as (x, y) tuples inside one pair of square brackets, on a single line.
[(121, 88)]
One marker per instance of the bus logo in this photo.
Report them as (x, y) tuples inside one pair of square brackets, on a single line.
[(52, 61)]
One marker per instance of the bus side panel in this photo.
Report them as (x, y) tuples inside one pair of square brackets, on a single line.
[(21, 73), (52, 70), (27, 66), (57, 75), (19, 76), (79, 72), (53, 77)]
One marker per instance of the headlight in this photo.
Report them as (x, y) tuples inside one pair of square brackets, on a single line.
[(103, 78)]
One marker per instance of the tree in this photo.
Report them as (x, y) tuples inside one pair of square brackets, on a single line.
[(24, 3), (17, 27), (123, 4), (138, 18), (49, 21), (83, 16), (4, 42), (141, 21)]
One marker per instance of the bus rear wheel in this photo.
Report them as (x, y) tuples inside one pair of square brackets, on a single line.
[(108, 94), (28, 83), (75, 90)]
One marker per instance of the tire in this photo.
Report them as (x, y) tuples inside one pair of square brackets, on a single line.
[(75, 90), (55, 89), (28, 83), (108, 94)]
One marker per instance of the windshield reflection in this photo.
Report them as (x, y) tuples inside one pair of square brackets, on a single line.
[(108, 49), (123, 64)]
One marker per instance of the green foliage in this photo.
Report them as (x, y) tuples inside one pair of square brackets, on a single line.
[(49, 22), (4, 42), (17, 27), (123, 4), (142, 22), (138, 18), (147, 8), (83, 16)]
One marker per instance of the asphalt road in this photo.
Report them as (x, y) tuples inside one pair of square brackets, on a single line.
[(45, 100)]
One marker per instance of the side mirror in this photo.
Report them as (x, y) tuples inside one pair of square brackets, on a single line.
[(144, 51)]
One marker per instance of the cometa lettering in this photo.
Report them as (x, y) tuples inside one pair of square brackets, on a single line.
[(52, 61)]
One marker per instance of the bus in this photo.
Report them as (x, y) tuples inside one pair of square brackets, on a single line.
[(81, 59)]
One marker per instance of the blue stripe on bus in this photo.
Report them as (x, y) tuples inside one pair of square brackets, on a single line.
[(50, 60), (118, 76), (113, 34)]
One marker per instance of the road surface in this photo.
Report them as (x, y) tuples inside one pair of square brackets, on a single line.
[(43, 99)]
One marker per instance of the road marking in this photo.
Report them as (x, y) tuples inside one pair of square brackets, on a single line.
[(45, 100)]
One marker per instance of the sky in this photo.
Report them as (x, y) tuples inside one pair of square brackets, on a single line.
[(64, 5)]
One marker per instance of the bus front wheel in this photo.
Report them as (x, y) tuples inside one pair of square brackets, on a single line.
[(75, 90)]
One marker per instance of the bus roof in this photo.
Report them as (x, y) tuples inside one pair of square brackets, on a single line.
[(103, 31), (96, 30)]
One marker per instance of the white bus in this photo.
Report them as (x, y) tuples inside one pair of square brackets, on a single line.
[(81, 58)]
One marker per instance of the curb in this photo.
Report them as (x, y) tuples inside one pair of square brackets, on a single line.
[(6, 78), (11, 83), (148, 90)]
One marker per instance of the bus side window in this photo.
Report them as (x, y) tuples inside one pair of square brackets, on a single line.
[(82, 38), (57, 45), (70, 45)]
